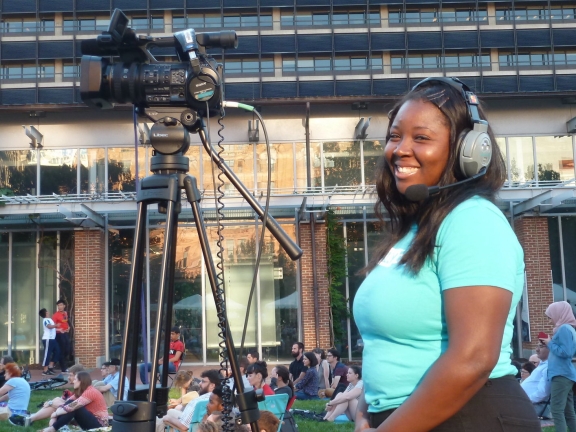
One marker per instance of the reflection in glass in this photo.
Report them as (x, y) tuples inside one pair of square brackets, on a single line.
[(188, 299), (240, 159), (555, 158), (92, 174), (47, 261), (24, 288), (18, 171), (372, 152), (282, 161), (58, 171), (120, 253), (4, 250), (355, 255), (315, 166), (122, 169), (342, 163), (521, 159), (237, 282), (501, 142), (279, 305)]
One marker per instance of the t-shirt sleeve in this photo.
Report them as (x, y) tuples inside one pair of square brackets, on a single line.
[(179, 346), (476, 246)]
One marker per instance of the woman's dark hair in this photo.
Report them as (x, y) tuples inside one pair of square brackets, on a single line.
[(284, 373), (85, 382), (321, 352), (312, 358), (258, 367), (357, 370), (404, 213), (528, 367)]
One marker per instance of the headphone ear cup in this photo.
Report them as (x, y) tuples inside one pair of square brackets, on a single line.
[(475, 151)]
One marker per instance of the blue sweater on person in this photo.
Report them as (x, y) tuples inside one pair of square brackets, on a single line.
[(562, 348)]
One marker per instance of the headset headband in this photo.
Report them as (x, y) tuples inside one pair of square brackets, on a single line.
[(469, 97)]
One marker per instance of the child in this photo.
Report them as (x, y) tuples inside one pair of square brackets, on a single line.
[(51, 349)]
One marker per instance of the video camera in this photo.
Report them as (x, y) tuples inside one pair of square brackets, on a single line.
[(195, 81)]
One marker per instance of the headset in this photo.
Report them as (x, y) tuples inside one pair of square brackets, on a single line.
[(474, 145)]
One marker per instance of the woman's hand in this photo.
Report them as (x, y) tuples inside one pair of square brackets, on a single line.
[(329, 407), (547, 340)]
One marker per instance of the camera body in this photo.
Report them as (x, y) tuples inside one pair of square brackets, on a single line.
[(195, 81)]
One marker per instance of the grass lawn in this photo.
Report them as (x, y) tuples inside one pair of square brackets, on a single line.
[(303, 425)]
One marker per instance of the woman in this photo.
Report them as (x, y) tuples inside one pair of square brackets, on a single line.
[(284, 382), (323, 369), (183, 381), (347, 401), (561, 371), (257, 374), (526, 370), (307, 387), (436, 309), (16, 390), (87, 407)]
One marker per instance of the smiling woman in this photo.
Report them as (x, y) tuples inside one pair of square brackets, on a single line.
[(438, 303)]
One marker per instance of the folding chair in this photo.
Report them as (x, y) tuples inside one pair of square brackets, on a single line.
[(276, 405), (171, 375), (199, 412), (542, 414)]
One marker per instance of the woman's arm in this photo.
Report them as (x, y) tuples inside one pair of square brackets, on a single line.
[(476, 317), (346, 396), (326, 371), (4, 392), (305, 379), (83, 400), (562, 344), (362, 419)]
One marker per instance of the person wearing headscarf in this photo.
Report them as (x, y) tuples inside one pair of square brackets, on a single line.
[(561, 371)]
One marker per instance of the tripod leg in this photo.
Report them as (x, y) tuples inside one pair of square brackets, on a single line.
[(166, 287), (134, 292), (249, 403)]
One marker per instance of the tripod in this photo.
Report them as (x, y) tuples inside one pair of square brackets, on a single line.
[(170, 140)]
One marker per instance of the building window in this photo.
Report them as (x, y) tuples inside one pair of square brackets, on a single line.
[(322, 17), (524, 59), (27, 26), (147, 23), (535, 13), (86, 24), (324, 64), (248, 66), (26, 72), (437, 61), (70, 70), (436, 15), (215, 20)]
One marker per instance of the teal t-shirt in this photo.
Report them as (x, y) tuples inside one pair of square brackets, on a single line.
[(400, 315)]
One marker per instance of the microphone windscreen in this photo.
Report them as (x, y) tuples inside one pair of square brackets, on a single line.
[(417, 192)]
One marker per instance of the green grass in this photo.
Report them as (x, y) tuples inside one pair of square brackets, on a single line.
[(35, 398), (304, 425), (314, 426)]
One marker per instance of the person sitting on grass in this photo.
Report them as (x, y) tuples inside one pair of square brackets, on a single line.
[(16, 390), (183, 381), (307, 387), (87, 407), (50, 406), (347, 401), (215, 403)]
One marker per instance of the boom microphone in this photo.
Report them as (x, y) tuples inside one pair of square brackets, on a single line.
[(420, 192)]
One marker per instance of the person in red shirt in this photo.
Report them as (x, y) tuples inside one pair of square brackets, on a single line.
[(60, 319), (174, 356), (257, 374)]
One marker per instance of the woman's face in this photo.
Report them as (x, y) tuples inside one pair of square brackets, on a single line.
[(418, 149), (524, 373), (7, 375), (351, 376), (76, 382), (255, 380), (306, 361)]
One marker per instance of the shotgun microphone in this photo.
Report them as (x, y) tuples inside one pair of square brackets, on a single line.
[(420, 192)]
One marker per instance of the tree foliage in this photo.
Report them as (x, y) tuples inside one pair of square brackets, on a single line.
[(336, 252)]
